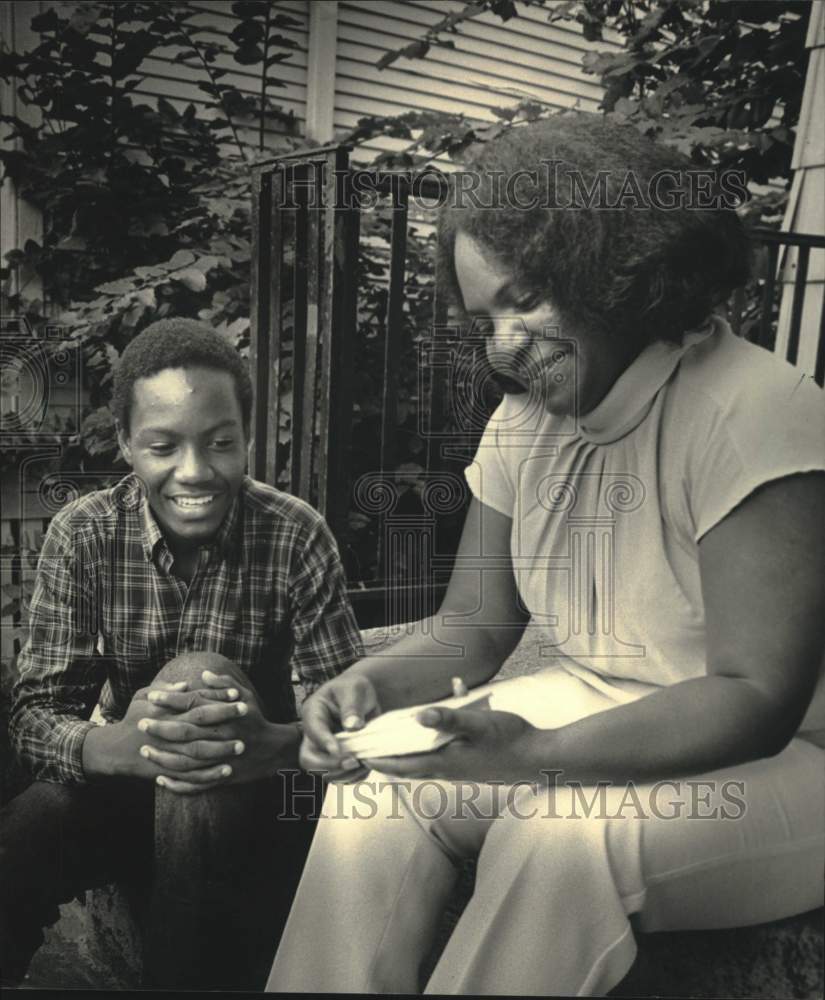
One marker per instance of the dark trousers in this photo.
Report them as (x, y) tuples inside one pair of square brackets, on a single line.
[(55, 842), (213, 925)]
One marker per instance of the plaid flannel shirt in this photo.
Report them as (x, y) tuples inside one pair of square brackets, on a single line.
[(107, 613)]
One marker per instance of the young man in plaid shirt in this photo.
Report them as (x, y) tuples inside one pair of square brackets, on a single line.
[(185, 564)]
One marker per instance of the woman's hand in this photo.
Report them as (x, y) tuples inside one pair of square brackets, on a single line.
[(489, 746), (346, 702)]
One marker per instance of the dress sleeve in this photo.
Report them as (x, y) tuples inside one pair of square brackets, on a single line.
[(773, 428), (489, 475)]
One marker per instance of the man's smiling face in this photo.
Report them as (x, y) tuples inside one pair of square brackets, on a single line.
[(187, 443)]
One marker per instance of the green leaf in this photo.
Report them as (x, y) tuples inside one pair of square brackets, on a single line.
[(47, 21), (248, 32), (192, 278), (505, 9), (206, 263), (168, 110), (76, 243), (182, 258), (119, 287), (248, 55), (250, 8)]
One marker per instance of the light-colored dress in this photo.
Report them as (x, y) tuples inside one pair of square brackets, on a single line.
[(607, 511), (607, 515)]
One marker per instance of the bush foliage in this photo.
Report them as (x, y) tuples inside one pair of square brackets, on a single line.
[(146, 206)]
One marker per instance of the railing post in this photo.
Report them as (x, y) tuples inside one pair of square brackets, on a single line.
[(335, 488), (259, 360)]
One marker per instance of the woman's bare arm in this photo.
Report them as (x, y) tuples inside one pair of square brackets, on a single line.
[(475, 630), (763, 581), (478, 625)]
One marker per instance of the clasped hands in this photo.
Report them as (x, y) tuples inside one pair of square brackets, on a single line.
[(191, 739), (488, 745)]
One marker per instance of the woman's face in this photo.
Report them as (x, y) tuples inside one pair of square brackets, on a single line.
[(569, 370)]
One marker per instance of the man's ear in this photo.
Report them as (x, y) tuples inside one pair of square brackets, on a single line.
[(123, 442)]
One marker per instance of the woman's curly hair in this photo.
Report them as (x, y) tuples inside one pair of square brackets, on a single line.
[(639, 270), (177, 343)]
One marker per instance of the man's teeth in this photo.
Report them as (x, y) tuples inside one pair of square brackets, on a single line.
[(193, 501)]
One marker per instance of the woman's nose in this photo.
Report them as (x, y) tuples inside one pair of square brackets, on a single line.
[(510, 335)]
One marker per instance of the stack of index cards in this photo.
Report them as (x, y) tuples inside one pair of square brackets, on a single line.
[(399, 732)]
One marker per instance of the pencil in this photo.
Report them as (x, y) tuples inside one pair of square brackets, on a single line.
[(459, 687)]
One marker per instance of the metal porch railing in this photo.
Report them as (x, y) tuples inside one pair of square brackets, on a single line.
[(305, 266)]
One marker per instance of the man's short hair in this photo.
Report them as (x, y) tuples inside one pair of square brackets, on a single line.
[(572, 230), (177, 343)]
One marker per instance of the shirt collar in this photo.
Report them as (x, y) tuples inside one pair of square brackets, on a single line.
[(152, 536), (631, 397)]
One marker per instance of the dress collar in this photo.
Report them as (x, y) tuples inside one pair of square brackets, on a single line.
[(632, 395)]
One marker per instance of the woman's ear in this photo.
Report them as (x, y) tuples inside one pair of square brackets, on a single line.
[(123, 442)]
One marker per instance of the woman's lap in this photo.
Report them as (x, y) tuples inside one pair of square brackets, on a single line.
[(731, 847), (557, 866)]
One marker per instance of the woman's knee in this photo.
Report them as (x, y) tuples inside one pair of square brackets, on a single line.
[(578, 830)]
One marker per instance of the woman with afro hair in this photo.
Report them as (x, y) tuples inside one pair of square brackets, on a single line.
[(647, 503)]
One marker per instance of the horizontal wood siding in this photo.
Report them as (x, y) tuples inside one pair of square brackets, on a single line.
[(178, 83), (494, 64)]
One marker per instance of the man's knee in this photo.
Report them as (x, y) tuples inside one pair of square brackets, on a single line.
[(190, 666), (34, 814)]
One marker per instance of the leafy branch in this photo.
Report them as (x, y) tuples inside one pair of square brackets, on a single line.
[(505, 9), (722, 82)]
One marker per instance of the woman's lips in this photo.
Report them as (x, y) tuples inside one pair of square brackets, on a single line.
[(538, 372), (532, 372)]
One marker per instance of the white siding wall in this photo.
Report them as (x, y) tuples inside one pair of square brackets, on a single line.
[(179, 83), (494, 64)]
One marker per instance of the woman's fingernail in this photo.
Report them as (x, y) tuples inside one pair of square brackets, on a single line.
[(242, 708), (144, 725), (161, 781), (179, 685), (232, 693), (157, 696), (239, 747), (352, 722), (208, 675), (145, 751), (226, 770)]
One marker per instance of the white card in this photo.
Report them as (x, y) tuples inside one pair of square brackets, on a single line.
[(398, 732)]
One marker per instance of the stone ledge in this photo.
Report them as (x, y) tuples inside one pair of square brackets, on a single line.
[(776, 961), (96, 946), (765, 962)]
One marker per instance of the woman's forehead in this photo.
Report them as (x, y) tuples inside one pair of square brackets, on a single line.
[(482, 278)]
